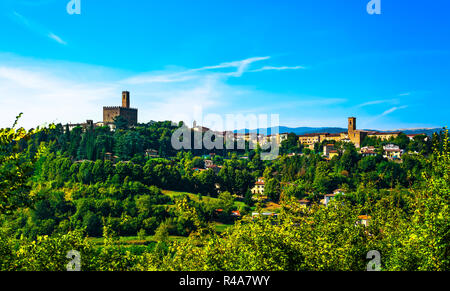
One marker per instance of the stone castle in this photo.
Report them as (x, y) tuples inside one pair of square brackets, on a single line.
[(129, 114)]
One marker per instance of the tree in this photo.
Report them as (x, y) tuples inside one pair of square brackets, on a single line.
[(391, 173), (425, 244), (207, 183), (98, 173), (43, 210), (162, 233), (93, 224), (402, 141), (349, 158), (128, 143), (141, 234), (243, 181), (144, 204), (322, 181), (226, 202), (248, 198), (15, 168), (290, 145), (85, 172), (120, 122), (272, 189)]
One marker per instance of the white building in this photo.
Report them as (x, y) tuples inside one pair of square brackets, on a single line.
[(259, 187), (328, 198), (392, 151)]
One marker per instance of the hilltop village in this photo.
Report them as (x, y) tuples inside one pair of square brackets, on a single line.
[(129, 117), (328, 145)]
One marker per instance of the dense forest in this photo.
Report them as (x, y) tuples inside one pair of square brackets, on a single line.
[(60, 190)]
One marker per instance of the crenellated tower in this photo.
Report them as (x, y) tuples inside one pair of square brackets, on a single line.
[(126, 99), (111, 112)]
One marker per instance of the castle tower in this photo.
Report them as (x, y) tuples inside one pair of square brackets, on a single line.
[(130, 114), (351, 125), (126, 99)]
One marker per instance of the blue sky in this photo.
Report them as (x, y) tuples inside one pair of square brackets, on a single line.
[(312, 62)]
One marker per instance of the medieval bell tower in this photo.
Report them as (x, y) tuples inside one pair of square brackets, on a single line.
[(351, 125)]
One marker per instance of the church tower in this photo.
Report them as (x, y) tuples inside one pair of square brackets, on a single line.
[(351, 125), (355, 136)]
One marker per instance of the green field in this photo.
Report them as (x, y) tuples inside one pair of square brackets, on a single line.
[(194, 197), (220, 227), (134, 240)]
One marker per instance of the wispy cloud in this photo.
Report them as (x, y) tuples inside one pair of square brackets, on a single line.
[(159, 77), (270, 68), (221, 70), (369, 121), (376, 102), (241, 66), (56, 38), (393, 109), (36, 28)]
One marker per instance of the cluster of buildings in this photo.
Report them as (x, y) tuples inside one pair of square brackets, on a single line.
[(352, 135), (209, 164), (259, 189), (130, 116), (329, 151), (390, 151)]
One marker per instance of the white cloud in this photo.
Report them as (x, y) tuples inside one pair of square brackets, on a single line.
[(155, 78), (183, 75), (64, 92), (376, 102), (45, 98), (50, 92), (241, 66), (180, 101), (56, 38), (270, 68), (36, 28), (389, 111)]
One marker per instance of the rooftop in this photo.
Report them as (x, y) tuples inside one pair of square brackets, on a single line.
[(383, 133)]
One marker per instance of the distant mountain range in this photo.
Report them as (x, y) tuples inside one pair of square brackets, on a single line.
[(307, 130)]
